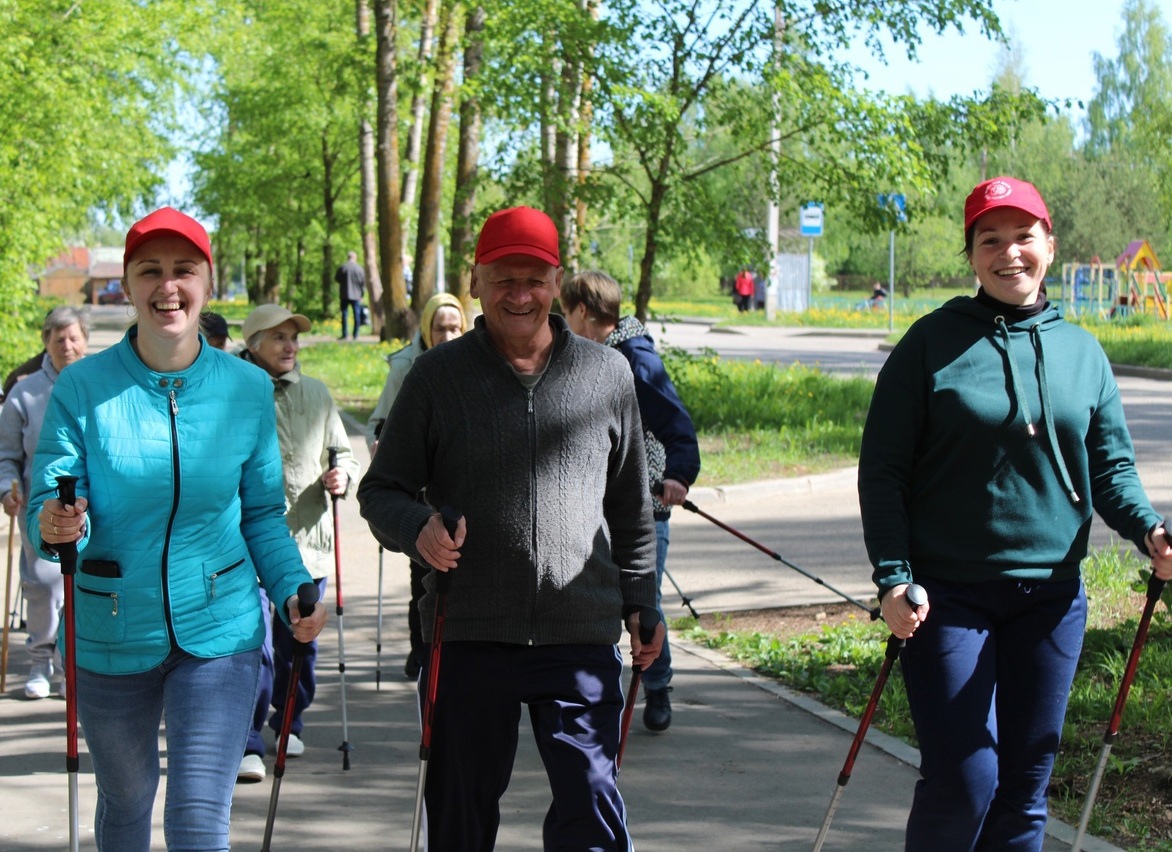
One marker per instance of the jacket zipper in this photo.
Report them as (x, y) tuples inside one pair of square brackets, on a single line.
[(533, 512), (171, 519), (112, 596), (221, 573)]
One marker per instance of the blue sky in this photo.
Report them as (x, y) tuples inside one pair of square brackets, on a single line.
[(1057, 40)]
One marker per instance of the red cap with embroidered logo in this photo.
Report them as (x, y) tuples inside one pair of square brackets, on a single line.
[(167, 220), (518, 230), (1004, 192)]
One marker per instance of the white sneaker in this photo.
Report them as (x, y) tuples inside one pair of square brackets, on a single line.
[(252, 769), (296, 747), (37, 685)]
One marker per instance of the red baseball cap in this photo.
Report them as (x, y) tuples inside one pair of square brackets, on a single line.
[(518, 230), (167, 220), (1004, 192)]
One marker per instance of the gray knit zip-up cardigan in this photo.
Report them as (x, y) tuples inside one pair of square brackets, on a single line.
[(552, 483)]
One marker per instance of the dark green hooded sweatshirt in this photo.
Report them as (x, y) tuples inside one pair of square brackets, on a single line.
[(988, 443)]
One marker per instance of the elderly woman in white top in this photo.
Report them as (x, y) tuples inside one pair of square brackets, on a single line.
[(65, 334)]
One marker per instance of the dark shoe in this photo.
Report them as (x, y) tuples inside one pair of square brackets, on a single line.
[(657, 710), (412, 667)]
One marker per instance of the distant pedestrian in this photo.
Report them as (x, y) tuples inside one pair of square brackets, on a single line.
[(65, 333), (351, 287), (994, 432), (215, 328), (591, 302), (744, 288)]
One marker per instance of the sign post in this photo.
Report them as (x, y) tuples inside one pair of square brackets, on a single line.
[(898, 203), (810, 221)]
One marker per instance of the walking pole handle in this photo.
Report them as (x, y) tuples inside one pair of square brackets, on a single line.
[(67, 493), (333, 451), (916, 595), (451, 518), (306, 599)]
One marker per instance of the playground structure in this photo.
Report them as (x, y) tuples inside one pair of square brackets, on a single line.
[(1135, 284)]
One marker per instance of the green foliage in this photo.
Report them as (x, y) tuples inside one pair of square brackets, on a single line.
[(88, 104), (280, 166)]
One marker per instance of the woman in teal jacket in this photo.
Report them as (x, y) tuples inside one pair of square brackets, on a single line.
[(994, 432), (179, 511)]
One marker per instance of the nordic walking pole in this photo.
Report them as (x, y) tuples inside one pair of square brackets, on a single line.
[(345, 747), (872, 611), (307, 596), (1155, 589), (8, 588), (917, 597), (378, 635), (648, 621), (443, 582), (685, 600), (657, 490), (67, 551)]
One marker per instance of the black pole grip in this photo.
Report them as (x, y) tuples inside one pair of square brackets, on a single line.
[(306, 598), (451, 518), (67, 550), (67, 490), (333, 451), (916, 595)]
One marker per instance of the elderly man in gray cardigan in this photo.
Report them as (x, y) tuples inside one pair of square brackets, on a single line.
[(533, 434)]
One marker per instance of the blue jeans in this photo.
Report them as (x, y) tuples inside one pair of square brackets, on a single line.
[(988, 675), (658, 674), (351, 305), (207, 704)]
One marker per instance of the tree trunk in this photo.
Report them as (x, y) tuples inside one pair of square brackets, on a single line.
[(586, 115), (650, 247), (374, 283), (418, 103), (463, 234), (427, 243), (548, 106), (272, 285), (327, 249), (566, 157), (400, 322)]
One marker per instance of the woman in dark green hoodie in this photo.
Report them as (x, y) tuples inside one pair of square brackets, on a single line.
[(995, 429)]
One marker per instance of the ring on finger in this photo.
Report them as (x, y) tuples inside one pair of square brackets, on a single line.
[(55, 532)]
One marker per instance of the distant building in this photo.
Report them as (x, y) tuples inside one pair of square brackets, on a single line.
[(79, 275)]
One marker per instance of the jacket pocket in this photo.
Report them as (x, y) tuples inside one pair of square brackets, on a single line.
[(225, 585), (99, 610)]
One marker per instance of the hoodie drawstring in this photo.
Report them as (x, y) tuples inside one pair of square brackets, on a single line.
[(1047, 408)]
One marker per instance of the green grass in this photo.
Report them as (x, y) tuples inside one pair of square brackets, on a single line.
[(355, 373), (763, 421), (839, 665)]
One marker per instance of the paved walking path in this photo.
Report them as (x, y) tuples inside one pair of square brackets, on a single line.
[(746, 765)]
